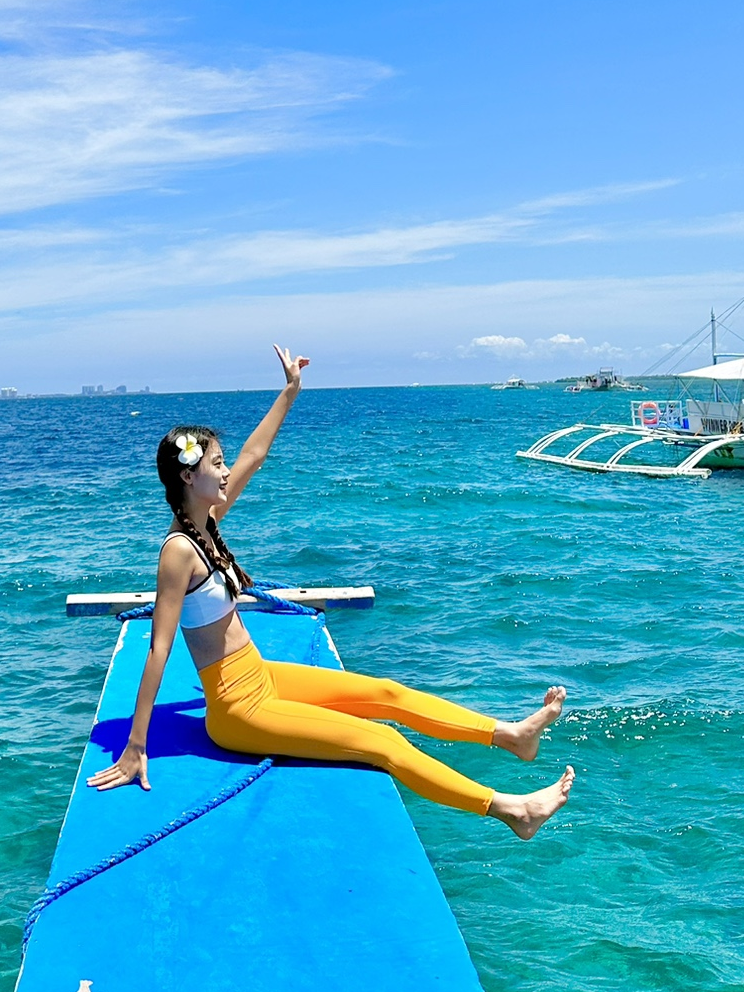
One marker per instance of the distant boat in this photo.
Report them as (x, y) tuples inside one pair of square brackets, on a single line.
[(606, 378), (513, 382)]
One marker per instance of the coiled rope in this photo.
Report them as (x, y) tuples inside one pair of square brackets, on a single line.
[(260, 591), (278, 605)]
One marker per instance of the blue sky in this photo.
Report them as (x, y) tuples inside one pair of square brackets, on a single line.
[(405, 191)]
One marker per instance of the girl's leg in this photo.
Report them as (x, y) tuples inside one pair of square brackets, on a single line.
[(384, 699), (280, 726), (301, 730), (380, 699)]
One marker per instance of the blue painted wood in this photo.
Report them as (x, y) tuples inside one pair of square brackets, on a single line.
[(311, 879)]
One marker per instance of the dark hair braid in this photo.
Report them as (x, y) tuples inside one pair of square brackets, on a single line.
[(169, 471), (243, 577)]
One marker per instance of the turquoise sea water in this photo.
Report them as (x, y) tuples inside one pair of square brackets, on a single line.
[(494, 579)]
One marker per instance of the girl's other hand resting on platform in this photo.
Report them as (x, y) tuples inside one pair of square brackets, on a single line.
[(132, 764)]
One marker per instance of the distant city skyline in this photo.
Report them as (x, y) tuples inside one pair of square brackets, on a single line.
[(99, 390), (433, 193)]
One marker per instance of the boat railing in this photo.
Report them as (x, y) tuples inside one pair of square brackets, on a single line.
[(662, 414)]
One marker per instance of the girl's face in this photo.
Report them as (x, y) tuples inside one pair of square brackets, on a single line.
[(208, 481)]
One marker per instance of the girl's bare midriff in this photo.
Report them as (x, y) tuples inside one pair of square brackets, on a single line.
[(217, 640)]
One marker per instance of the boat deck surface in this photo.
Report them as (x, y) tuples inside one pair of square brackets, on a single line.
[(311, 879)]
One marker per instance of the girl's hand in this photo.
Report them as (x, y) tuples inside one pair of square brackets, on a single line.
[(292, 367), (132, 764)]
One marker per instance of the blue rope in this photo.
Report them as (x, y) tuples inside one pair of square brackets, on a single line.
[(72, 881), (269, 584), (136, 613), (284, 606)]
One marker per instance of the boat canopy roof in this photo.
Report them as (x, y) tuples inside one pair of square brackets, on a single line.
[(723, 372)]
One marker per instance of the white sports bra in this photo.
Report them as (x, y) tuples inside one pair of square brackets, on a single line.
[(210, 600)]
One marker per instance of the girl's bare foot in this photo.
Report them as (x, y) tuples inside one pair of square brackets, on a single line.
[(526, 814), (523, 738)]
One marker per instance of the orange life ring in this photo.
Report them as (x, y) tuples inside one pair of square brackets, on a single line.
[(649, 413)]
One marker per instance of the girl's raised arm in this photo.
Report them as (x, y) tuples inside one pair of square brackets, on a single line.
[(256, 448)]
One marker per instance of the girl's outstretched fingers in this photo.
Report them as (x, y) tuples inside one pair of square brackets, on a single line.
[(526, 814), (292, 366), (122, 773)]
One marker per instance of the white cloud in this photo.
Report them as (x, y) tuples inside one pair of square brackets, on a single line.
[(16, 240), (719, 225), (498, 344), (133, 263), (82, 126), (564, 339), (127, 267), (563, 344), (597, 194), (607, 350)]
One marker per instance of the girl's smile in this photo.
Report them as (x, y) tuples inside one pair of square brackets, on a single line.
[(208, 481)]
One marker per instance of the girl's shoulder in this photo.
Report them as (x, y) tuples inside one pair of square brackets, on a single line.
[(187, 543)]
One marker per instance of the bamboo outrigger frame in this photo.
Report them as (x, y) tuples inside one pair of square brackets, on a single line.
[(689, 466)]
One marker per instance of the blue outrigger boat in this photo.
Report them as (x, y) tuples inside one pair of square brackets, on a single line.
[(235, 872)]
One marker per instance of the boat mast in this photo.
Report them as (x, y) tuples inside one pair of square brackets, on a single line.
[(714, 348)]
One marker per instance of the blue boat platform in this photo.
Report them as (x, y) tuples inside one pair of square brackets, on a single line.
[(312, 879)]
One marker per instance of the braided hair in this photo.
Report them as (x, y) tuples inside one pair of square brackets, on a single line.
[(169, 472)]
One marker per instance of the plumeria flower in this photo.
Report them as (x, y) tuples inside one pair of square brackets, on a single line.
[(190, 452)]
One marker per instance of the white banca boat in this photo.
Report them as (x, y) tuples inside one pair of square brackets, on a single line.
[(699, 431), (604, 379), (514, 382)]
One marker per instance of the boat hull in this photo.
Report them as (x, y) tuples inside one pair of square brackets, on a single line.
[(731, 456)]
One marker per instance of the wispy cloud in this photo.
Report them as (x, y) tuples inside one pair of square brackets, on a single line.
[(729, 225), (611, 193), (73, 127), (14, 240), (718, 225), (137, 262)]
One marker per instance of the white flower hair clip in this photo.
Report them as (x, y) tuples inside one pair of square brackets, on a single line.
[(190, 452)]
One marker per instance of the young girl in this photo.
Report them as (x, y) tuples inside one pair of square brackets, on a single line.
[(269, 707)]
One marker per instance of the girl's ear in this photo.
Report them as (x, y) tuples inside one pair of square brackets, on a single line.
[(187, 477)]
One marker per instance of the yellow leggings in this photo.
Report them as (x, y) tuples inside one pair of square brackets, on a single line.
[(274, 707)]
